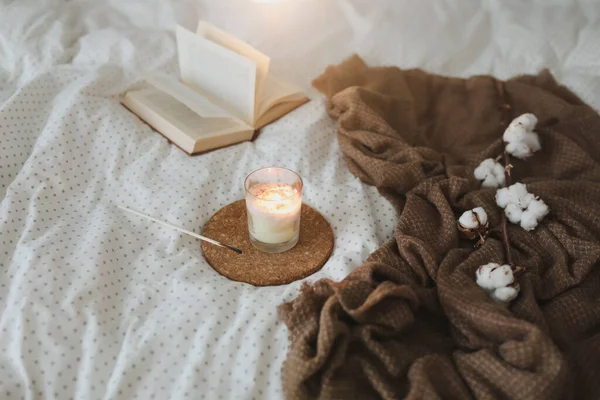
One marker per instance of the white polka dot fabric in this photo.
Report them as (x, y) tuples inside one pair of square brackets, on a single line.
[(102, 304), (99, 304)]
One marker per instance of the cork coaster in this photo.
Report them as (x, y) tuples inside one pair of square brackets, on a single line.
[(230, 225)]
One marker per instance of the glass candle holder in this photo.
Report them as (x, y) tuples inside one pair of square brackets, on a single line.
[(273, 202)]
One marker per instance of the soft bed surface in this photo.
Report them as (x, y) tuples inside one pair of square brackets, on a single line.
[(98, 304)]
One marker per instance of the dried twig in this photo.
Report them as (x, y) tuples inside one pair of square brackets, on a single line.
[(505, 107)]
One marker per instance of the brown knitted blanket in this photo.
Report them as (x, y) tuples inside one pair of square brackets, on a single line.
[(411, 322)]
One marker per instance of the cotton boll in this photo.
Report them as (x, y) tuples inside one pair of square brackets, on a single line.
[(503, 197), (519, 189), (520, 139), (532, 140), (514, 133), (499, 173), (502, 276), (498, 281), (492, 276), (481, 215), (474, 219), (473, 224), (484, 277), (538, 208), (505, 294), (527, 120), (529, 220), (468, 220), (513, 213), (482, 171), (520, 206), (518, 193), (489, 173), (490, 181), (488, 163), (519, 149), (535, 212), (526, 200)]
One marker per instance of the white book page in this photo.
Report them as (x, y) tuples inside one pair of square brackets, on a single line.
[(277, 90), (226, 40), (198, 103), (196, 127), (225, 77)]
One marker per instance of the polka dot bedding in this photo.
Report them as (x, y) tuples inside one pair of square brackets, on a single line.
[(97, 303)]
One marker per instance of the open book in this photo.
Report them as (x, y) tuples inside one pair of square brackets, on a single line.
[(225, 92)]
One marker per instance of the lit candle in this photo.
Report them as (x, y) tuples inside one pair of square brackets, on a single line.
[(273, 202)]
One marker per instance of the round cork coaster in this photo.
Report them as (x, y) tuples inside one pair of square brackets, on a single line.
[(230, 225)]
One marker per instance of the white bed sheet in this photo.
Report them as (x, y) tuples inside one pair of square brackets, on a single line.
[(101, 305)]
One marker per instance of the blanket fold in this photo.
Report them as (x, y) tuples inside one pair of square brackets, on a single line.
[(411, 322)]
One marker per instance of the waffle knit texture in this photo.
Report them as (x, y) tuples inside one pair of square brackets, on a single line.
[(411, 322)]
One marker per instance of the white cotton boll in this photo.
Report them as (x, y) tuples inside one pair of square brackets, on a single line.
[(498, 172), (513, 213), (484, 168), (519, 149), (518, 193), (492, 276), (505, 294), (514, 199), (529, 220), (538, 208), (527, 120), (519, 189), (483, 276), (514, 133), (532, 140), (473, 223), (520, 139), (481, 215), (489, 173), (468, 220), (503, 197), (498, 281), (488, 163), (481, 172), (502, 276), (535, 212), (526, 200), (490, 181)]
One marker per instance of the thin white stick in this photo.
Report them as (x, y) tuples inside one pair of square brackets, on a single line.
[(194, 234)]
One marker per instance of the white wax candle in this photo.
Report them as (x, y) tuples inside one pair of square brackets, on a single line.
[(274, 212)]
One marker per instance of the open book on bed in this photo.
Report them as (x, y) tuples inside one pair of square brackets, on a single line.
[(224, 93)]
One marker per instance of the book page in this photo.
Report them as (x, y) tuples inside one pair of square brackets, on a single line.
[(276, 91), (173, 87), (195, 126), (279, 110), (225, 77), (226, 40)]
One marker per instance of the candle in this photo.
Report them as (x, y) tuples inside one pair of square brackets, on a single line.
[(273, 203), (274, 212)]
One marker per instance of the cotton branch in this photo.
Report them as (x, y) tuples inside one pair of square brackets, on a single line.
[(504, 118), (519, 205)]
